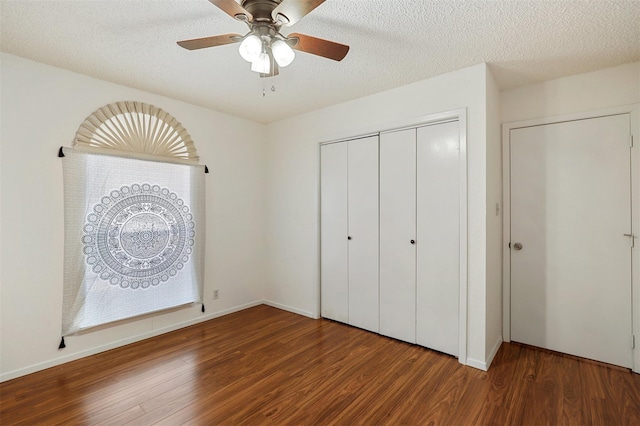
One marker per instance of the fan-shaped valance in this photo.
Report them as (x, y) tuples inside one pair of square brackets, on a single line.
[(136, 127)]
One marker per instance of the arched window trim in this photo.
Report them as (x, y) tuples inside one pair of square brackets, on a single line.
[(137, 130)]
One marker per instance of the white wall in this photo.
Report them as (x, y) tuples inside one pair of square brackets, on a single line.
[(598, 90), (601, 89), (41, 109), (494, 222), (293, 179), (1, 245)]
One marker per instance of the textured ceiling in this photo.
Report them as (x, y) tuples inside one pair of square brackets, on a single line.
[(393, 42)]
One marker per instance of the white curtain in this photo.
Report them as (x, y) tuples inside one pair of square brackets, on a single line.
[(134, 238)]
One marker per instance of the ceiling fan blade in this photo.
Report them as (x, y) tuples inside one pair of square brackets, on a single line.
[(201, 43), (233, 9), (291, 11), (318, 46)]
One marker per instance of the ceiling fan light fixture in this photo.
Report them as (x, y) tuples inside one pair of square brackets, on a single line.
[(251, 48), (262, 64), (282, 53)]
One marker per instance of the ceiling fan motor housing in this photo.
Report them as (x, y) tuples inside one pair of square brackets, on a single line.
[(260, 10)]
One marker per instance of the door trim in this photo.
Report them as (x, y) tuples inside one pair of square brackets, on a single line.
[(633, 111), (459, 115)]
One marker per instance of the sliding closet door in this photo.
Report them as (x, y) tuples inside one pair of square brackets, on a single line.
[(363, 233), (334, 297), (438, 237), (398, 235)]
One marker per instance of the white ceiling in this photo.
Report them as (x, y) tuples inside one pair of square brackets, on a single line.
[(393, 42)]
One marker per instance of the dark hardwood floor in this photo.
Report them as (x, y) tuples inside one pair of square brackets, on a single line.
[(267, 366)]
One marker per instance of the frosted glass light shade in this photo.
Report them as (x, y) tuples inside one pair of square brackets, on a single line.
[(250, 48), (262, 64), (282, 53)]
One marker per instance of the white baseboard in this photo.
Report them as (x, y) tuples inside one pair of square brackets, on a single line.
[(122, 342), (484, 365), (480, 365), (290, 309), (494, 351)]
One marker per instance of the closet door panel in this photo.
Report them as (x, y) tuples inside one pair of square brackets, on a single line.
[(334, 296), (363, 231), (397, 230), (438, 237)]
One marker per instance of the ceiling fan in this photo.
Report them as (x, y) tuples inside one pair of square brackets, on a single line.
[(264, 46)]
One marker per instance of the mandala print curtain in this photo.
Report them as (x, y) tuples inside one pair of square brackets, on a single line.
[(134, 238)]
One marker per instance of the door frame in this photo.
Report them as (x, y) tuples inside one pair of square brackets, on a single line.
[(459, 115), (633, 111)]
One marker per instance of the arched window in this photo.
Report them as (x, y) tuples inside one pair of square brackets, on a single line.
[(136, 127), (134, 217)]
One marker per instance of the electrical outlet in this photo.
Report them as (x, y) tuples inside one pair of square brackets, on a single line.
[(216, 296)]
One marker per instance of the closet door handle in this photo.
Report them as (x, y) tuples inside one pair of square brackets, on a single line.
[(413, 241), (349, 237)]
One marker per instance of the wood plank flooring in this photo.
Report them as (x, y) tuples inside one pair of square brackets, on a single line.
[(267, 366)]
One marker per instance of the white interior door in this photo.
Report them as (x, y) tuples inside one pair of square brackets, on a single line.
[(363, 232), (438, 237), (397, 231), (570, 208), (334, 289)]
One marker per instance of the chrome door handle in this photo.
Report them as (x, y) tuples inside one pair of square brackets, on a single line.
[(517, 246)]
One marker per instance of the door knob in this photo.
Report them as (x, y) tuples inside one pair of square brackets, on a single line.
[(517, 246), (349, 237), (413, 241)]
